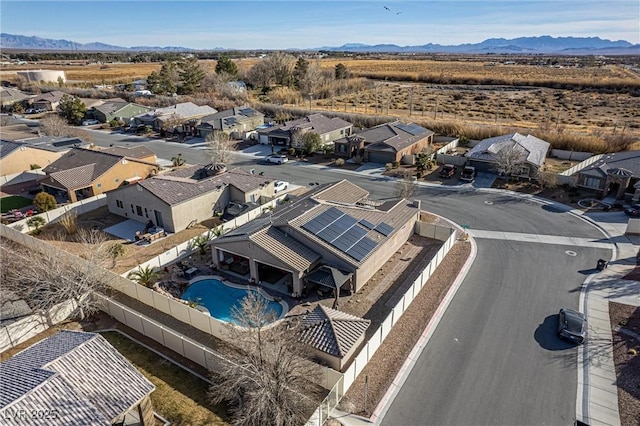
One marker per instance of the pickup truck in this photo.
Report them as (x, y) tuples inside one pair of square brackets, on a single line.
[(447, 171), (468, 174)]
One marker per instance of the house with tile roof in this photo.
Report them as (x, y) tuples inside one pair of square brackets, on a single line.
[(331, 225), (20, 156), (73, 378), (86, 172), (614, 174), (186, 112), (188, 194), (329, 129), (385, 143), (118, 110), (333, 336), (237, 119), (9, 96), (530, 150)]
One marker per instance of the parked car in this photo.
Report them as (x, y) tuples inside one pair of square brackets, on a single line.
[(30, 111), (280, 185), (468, 174), (277, 159), (633, 210), (572, 326), (90, 122), (447, 171)]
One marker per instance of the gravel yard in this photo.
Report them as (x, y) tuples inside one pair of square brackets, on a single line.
[(625, 330)]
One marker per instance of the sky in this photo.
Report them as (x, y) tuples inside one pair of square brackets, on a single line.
[(303, 24)]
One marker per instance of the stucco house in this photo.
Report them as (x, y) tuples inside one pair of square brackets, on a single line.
[(185, 114), (329, 129), (20, 156), (84, 172), (531, 153), (614, 174), (48, 101), (331, 225), (189, 194), (9, 96), (73, 378), (385, 143), (333, 336), (238, 119), (121, 110)]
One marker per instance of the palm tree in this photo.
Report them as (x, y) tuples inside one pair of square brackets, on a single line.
[(177, 161), (144, 276)]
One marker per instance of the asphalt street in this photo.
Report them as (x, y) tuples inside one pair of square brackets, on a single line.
[(494, 358)]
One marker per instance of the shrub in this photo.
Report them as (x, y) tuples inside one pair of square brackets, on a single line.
[(69, 222), (339, 162), (44, 202), (35, 166), (395, 164), (291, 151), (388, 166)]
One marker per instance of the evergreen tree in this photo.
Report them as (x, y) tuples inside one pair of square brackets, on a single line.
[(300, 71), (227, 67), (72, 109), (191, 75), (341, 72), (165, 80)]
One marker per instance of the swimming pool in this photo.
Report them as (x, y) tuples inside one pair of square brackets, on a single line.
[(218, 297)]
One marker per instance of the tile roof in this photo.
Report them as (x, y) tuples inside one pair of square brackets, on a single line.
[(332, 331), (183, 184), (79, 375), (318, 123), (45, 143), (392, 137), (7, 147), (8, 95), (183, 110), (228, 118), (342, 192), (54, 96), (111, 107), (534, 150), (129, 152)]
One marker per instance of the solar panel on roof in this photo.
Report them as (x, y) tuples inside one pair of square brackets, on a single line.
[(362, 249), (345, 222), (329, 233), (367, 224), (413, 129), (323, 220), (384, 229)]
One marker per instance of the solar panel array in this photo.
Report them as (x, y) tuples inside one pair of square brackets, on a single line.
[(384, 229), (342, 231), (413, 129)]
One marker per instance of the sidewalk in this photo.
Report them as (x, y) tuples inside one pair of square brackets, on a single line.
[(597, 398)]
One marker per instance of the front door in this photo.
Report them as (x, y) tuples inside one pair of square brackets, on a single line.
[(159, 221)]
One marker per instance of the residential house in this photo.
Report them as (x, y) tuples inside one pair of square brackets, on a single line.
[(119, 110), (20, 156), (334, 336), (329, 129), (332, 225), (188, 195), (614, 174), (14, 132), (528, 152), (386, 143), (73, 378), (83, 172), (9, 96), (184, 115), (231, 121), (48, 101)]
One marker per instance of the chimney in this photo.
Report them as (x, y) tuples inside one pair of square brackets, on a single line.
[(416, 203)]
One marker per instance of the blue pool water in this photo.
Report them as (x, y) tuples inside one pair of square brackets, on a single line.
[(218, 298)]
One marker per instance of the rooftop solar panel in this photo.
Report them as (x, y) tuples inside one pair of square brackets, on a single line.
[(362, 249), (367, 224), (384, 229)]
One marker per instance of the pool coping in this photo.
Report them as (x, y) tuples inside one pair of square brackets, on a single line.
[(260, 290)]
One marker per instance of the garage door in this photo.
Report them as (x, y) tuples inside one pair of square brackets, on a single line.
[(482, 166), (378, 157)]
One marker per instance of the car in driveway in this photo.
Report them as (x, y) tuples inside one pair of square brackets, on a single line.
[(277, 159), (90, 122), (633, 210), (572, 326), (447, 171), (280, 186), (468, 174)]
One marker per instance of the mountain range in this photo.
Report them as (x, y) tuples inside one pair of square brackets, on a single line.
[(521, 45)]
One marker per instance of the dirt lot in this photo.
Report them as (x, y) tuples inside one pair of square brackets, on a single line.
[(625, 325)]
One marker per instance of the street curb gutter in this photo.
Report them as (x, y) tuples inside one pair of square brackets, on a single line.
[(407, 366)]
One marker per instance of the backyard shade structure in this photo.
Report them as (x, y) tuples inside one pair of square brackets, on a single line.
[(329, 277), (333, 335), (79, 378)]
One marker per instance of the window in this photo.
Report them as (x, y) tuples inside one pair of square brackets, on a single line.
[(591, 182), (116, 180), (139, 210), (119, 204), (146, 213), (132, 209), (99, 185), (342, 148)]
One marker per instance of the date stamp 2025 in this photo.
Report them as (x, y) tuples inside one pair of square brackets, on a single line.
[(30, 414)]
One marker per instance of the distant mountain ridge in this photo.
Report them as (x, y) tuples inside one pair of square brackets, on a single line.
[(522, 45)]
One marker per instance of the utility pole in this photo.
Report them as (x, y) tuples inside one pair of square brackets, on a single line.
[(411, 101)]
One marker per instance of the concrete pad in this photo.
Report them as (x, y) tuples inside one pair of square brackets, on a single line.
[(606, 399), (604, 416), (599, 380), (125, 229)]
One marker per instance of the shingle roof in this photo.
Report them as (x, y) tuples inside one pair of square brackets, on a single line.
[(7, 147), (129, 152), (183, 110), (54, 96), (317, 123), (392, 137), (185, 184), (8, 95), (79, 375), (332, 331), (45, 143), (534, 150), (228, 118), (629, 160)]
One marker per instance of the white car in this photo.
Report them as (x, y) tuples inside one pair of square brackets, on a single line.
[(90, 122), (277, 159), (280, 185)]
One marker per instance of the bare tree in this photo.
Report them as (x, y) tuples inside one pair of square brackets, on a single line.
[(405, 188), (221, 147), (261, 74), (312, 79), (269, 380), (54, 125), (282, 65), (508, 160), (548, 179), (47, 278)]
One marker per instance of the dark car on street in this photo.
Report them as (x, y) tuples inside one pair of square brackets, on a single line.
[(633, 210), (447, 171), (572, 326)]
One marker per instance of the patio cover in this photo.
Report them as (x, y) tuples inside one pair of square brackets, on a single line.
[(330, 277)]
